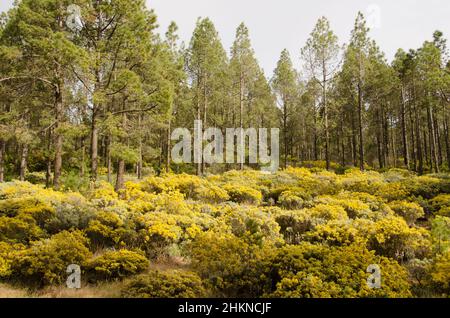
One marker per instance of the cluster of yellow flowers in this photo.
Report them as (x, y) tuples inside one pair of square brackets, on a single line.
[(239, 230)]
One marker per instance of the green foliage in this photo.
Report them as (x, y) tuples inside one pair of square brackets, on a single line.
[(117, 265), (229, 265), (440, 273), (314, 271), (45, 262), (165, 284)]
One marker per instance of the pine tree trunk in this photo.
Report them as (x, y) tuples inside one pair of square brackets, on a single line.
[(120, 181), (325, 109), (241, 115), (2, 160), (23, 162), (58, 139), (48, 174), (199, 117), (446, 137), (404, 129), (433, 145), (354, 142), (169, 141), (361, 137), (108, 158)]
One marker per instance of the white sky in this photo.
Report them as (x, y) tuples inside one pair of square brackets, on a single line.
[(275, 25)]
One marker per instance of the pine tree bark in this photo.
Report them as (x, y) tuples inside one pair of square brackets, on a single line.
[(325, 109), (58, 138), (120, 180), (23, 162), (2, 160), (404, 129), (360, 123)]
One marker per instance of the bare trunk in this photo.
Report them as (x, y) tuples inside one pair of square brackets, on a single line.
[(404, 134), (433, 145), (325, 109), (361, 137), (58, 139), (241, 112), (23, 162), (120, 181), (2, 160)]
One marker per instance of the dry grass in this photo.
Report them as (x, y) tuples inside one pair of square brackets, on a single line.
[(11, 292), (104, 290)]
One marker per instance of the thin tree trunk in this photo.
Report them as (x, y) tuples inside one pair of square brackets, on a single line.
[(325, 109), (108, 158), (120, 181), (434, 150), (2, 160), (94, 146), (23, 162), (404, 129), (169, 141), (140, 161), (58, 139), (361, 137), (241, 115), (48, 174)]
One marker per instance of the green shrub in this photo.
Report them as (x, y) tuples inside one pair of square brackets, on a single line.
[(316, 271), (290, 201), (230, 266), (36, 177), (45, 262), (117, 265), (7, 252), (20, 230), (107, 229), (167, 284)]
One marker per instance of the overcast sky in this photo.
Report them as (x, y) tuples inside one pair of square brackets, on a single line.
[(275, 25)]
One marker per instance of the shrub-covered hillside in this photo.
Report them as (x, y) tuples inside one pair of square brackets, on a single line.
[(298, 233)]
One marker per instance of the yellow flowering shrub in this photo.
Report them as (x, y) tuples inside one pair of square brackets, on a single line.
[(410, 211), (7, 252), (392, 237), (165, 284), (22, 229), (107, 229), (294, 224), (192, 187), (311, 271), (230, 266), (299, 232), (45, 262), (117, 265), (243, 194), (441, 204), (356, 181), (290, 200), (328, 212)]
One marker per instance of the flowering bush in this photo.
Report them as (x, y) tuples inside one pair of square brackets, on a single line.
[(294, 233), (45, 262), (117, 264), (166, 284), (243, 194), (410, 211)]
